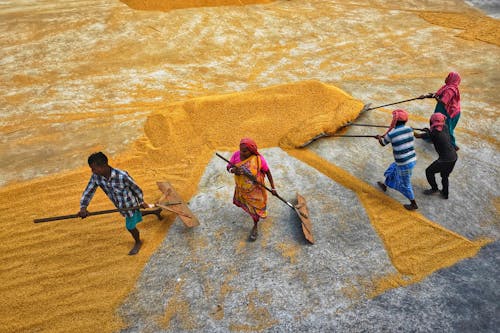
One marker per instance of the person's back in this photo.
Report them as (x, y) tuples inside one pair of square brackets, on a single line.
[(445, 163), (442, 144), (403, 144)]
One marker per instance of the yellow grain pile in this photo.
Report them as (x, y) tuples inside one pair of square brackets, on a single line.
[(73, 275), (416, 246), (286, 115), (477, 26), (166, 5)]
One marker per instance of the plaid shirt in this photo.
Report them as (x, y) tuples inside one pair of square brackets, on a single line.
[(120, 189)]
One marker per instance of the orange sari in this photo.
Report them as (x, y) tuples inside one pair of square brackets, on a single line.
[(252, 198)]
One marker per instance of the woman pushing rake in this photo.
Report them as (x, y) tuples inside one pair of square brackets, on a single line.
[(250, 169)]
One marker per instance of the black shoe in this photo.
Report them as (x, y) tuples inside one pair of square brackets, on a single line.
[(382, 186), (411, 206), (431, 191), (444, 196)]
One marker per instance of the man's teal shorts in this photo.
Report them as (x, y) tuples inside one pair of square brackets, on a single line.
[(131, 221)]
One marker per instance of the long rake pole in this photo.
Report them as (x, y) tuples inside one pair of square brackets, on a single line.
[(381, 106), (72, 216), (352, 136), (251, 177), (381, 126), (365, 108), (101, 212)]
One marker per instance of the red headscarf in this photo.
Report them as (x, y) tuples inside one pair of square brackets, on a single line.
[(451, 82), (397, 115), (250, 144), (437, 121)]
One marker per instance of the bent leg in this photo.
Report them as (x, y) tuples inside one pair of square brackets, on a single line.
[(430, 173)]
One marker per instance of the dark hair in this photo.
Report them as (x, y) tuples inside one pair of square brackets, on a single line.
[(98, 159), (400, 122)]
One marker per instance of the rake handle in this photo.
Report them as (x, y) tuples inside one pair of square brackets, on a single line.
[(381, 106), (101, 212), (252, 178), (381, 126), (352, 136)]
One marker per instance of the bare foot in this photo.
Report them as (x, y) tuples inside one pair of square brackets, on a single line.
[(135, 249), (253, 235)]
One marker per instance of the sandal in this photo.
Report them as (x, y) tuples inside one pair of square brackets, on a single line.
[(253, 235)]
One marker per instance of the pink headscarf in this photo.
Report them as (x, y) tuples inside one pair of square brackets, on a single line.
[(397, 115), (250, 144), (437, 121), (453, 105)]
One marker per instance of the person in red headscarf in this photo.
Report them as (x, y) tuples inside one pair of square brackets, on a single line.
[(250, 168), (448, 103), (440, 137), (398, 175)]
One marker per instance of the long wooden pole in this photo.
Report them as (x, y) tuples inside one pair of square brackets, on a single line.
[(252, 178), (381, 106), (101, 212), (264, 186)]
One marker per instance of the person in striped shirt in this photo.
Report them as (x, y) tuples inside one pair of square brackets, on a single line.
[(398, 174), (120, 188)]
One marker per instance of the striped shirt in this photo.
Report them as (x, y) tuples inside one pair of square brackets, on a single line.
[(120, 188), (402, 140)]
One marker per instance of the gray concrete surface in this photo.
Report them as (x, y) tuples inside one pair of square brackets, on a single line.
[(230, 284)]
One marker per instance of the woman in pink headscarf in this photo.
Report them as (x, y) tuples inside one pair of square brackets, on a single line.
[(250, 168), (445, 163), (448, 103)]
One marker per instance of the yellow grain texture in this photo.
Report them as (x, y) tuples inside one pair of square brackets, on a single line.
[(71, 276), (163, 5), (258, 317), (289, 251), (416, 246), (476, 26), (85, 261)]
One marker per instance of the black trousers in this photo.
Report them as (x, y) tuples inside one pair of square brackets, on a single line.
[(444, 168)]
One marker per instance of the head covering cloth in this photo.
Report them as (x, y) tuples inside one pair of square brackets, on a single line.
[(250, 144), (452, 82), (397, 115), (437, 121)]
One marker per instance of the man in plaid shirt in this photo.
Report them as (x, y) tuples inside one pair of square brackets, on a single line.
[(120, 188)]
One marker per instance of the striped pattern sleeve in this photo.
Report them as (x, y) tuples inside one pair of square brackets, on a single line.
[(402, 141)]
